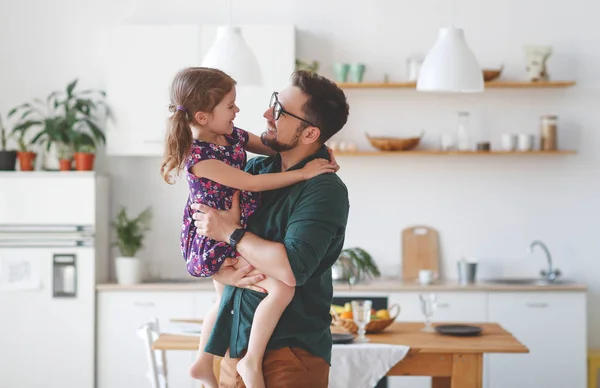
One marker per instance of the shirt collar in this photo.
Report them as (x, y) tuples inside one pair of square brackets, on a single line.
[(320, 153)]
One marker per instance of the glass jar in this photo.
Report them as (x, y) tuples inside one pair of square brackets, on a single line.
[(548, 132), (463, 141)]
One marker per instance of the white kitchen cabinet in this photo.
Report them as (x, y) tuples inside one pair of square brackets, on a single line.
[(553, 326), (144, 59), (121, 354), (451, 307)]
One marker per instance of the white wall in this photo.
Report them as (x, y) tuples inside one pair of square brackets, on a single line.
[(486, 207)]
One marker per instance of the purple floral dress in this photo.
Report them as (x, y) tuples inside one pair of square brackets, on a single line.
[(204, 256)]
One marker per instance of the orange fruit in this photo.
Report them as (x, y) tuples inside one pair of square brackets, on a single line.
[(346, 315)]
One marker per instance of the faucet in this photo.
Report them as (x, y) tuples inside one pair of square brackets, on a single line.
[(551, 274)]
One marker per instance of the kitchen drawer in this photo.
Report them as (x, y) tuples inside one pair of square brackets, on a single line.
[(121, 357)]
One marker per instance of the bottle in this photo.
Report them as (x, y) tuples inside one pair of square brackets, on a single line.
[(463, 141)]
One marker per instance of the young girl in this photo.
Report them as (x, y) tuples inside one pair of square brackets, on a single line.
[(203, 140)]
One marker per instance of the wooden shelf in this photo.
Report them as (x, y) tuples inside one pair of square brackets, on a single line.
[(454, 153), (488, 85)]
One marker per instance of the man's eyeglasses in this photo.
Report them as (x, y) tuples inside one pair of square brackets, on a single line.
[(278, 110)]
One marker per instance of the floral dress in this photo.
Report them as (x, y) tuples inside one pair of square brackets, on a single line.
[(204, 256)]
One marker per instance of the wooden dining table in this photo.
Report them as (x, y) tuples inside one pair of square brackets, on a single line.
[(452, 362)]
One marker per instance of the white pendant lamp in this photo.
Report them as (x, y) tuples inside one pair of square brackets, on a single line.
[(450, 66), (231, 54)]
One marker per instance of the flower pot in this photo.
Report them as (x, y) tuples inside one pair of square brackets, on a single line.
[(8, 160), (65, 164), (128, 270), (84, 161), (26, 160)]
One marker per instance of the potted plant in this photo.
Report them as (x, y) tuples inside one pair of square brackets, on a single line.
[(85, 152), (130, 238), (354, 265), (25, 154), (62, 117), (8, 159)]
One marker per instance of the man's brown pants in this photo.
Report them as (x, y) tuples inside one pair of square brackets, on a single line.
[(282, 368)]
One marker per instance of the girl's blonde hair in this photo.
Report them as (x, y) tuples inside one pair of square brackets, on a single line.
[(194, 89)]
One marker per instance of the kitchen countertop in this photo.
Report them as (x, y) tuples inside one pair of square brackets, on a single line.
[(379, 285)]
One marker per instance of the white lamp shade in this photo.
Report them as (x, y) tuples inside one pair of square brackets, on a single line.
[(231, 54), (450, 66)]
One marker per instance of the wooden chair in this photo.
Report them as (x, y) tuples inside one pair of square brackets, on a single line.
[(593, 366)]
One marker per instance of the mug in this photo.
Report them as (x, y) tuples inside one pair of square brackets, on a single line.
[(426, 276), (525, 142), (509, 142)]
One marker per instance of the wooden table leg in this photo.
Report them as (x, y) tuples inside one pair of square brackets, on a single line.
[(467, 371), (440, 382)]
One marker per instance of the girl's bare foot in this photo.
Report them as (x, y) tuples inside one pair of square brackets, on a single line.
[(203, 371), (251, 371)]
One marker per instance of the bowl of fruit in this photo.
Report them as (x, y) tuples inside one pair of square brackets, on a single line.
[(380, 319)]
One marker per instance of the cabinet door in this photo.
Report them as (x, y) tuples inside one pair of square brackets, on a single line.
[(553, 326), (121, 354), (452, 307)]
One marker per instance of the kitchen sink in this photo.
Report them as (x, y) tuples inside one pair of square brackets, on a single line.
[(527, 281)]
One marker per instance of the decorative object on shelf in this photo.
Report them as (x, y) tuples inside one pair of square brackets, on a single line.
[(524, 142), (535, 62), (341, 71), (63, 117), (354, 265), (231, 54), (450, 66), (483, 146), (312, 67), (356, 72), (130, 237), (413, 67), (548, 133), (25, 154), (508, 142), (8, 158), (394, 143), (490, 75), (463, 137), (380, 319)]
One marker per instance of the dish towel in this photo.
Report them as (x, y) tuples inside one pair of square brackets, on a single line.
[(363, 365)]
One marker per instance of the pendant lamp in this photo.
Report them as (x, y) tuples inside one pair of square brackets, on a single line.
[(231, 54), (450, 66)]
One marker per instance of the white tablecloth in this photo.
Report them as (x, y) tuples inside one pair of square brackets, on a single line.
[(363, 365)]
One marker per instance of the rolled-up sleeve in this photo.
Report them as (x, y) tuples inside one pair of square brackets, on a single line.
[(317, 219)]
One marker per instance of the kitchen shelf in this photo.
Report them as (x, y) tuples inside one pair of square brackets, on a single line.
[(488, 85), (454, 153)]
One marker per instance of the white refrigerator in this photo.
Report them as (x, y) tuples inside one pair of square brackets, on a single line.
[(53, 251)]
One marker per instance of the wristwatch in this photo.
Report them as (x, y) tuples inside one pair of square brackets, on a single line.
[(236, 236)]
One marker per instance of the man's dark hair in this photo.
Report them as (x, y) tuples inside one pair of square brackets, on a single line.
[(326, 106)]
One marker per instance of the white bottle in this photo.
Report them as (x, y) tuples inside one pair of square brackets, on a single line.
[(463, 141)]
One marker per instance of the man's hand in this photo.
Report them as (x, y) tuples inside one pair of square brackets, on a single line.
[(217, 224), (336, 166), (244, 276)]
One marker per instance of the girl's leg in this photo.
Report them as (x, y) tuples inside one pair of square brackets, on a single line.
[(265, 319), (202, 368)]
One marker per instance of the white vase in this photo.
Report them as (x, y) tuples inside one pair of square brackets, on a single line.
[(128, 270)]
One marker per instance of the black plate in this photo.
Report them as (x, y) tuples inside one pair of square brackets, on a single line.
[(342, 338), (459, 330)]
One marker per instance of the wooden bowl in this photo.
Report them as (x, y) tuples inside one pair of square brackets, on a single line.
[(491, 74), (374, 326), (394, 143)]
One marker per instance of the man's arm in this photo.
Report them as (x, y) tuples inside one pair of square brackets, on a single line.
[(319, 217)]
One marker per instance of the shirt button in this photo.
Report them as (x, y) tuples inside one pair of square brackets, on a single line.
[(231, 312)]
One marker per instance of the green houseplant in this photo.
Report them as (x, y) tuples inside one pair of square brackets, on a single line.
[(130, 238), (8, 158), (354, 265), (64, 118)]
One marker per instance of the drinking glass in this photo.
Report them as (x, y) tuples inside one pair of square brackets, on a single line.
[(361, 312), (428, 303)]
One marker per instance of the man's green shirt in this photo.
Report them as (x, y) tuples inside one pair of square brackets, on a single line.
[(309, 218)]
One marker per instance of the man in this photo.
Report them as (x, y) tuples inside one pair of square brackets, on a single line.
[(295, 236)]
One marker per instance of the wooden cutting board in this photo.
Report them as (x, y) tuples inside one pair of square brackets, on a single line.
[(420, 250)]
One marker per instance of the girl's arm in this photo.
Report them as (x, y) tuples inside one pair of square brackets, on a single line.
[(224, 174), (256, 146)]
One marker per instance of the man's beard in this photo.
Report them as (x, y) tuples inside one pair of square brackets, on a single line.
[(278, 146)]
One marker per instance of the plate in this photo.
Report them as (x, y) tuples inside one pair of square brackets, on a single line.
[(459, 330), (342, 338)]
